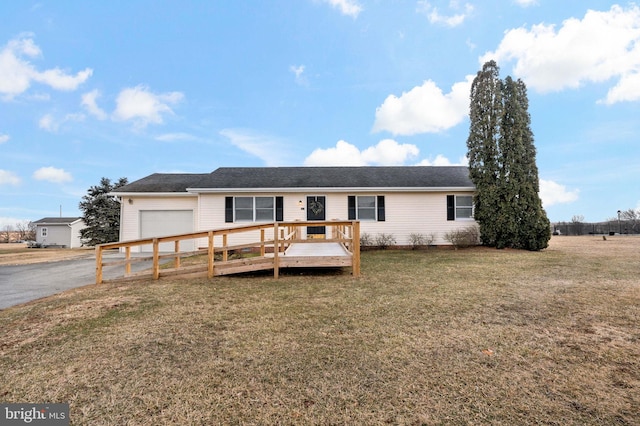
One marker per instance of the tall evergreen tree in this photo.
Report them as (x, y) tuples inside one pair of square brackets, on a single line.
[(485, 112), (101, 213), (508, 207)]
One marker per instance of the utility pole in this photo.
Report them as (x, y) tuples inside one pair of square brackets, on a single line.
[(619, 224)]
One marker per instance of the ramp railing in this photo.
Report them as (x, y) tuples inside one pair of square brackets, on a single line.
[(215, 252)]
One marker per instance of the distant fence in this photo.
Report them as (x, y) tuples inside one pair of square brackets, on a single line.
[(613, 227)]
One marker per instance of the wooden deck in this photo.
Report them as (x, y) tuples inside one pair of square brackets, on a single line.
[(318, 248), (264, 247), (316, 254)]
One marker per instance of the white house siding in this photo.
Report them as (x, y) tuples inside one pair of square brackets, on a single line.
[(406, 213), (130, 212), (212, 208), (415, 213), (56, 235), (212, 216), (75, 241)]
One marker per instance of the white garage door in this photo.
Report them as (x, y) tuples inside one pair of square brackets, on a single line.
[(158, 223)]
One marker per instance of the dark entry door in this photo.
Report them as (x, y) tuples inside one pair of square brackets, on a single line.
[(316, 211)]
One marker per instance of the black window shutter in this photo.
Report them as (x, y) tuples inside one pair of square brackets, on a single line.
[(352, 207), (451, 207), (381, 216), (279, 209), (228, 209)]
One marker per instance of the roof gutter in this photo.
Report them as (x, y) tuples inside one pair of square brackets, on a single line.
[(331, 189), (150, 194)]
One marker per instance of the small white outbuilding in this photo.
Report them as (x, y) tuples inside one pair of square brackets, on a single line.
[(59, 232)]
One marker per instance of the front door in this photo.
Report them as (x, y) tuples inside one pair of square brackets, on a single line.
[(316, 211)]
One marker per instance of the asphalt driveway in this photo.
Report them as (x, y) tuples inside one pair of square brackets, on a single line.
[(24, 283)]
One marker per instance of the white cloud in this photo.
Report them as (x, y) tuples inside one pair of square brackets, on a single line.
[(52, 174), (460, 13), (143, 107), (441, 160), (48, 123), (4, 138), (17, 73), (526, 3), (90, 104), (627, 89), (471, 45), (298, 71), (271, 150), (57, 79), (552, 193), (8, 178), (386, 153), (389, 152), (172, 137), (346, 7), (600, 47), (343, 154), (424, 109)]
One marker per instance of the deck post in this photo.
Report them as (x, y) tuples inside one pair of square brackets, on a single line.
[(177, 251), (355, 244), (276, 250), (262, 242), (98, 264), (210, 255), (156, 259), (127, 258), (225, 252)]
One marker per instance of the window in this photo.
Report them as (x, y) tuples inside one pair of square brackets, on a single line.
[(253, 209), (243, 209), (264, 209), (44, 232), (366, 207), (464, 207), (459, 207)]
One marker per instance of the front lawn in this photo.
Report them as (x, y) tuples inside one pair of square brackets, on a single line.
[(478, 336)]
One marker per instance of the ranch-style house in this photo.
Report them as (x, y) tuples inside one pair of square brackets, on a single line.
[(398, 201)]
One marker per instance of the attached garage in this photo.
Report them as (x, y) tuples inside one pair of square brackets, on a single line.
[(158, 223)]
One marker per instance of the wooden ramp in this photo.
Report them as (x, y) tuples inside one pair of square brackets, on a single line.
[(316, 254), (242, 249)]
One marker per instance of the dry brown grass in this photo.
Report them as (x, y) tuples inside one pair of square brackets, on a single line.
[(19, 254), (423, 337)]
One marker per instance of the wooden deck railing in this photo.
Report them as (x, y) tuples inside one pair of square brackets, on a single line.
[(266, 242)]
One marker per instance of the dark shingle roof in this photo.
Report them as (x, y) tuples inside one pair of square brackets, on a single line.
[(56, 220), (305, 177), (163, 182), (338, 177)]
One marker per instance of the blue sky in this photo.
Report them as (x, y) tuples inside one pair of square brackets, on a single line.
[(126, 89)]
